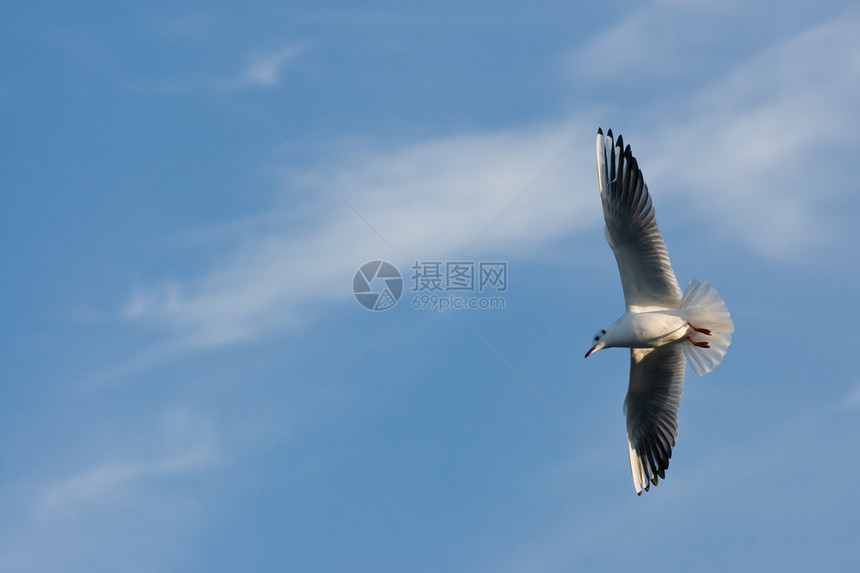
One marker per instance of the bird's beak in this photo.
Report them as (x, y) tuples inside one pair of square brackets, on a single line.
[(592, 350)]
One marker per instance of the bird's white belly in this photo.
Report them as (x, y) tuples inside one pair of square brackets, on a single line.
[(651, 329)]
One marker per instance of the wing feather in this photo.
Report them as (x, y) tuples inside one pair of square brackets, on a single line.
[(631, 229), (651, 406)]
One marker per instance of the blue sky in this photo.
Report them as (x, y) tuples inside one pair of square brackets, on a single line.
[(190, 385)]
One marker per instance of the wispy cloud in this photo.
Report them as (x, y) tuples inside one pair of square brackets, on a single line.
[(750, 155), (852, 399), (427, 199), (753, 147), (763, 149), (744, 470), (96, 509), (630, 50), (263, 70), (105, 482), (187, 446)]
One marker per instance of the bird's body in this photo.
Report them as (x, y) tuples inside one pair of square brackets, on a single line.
[(663, 327), (648, 329)]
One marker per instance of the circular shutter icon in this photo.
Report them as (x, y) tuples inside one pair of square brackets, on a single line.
[(377, 285)]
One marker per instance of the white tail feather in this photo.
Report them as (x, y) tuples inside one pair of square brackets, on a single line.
[(704, 308)]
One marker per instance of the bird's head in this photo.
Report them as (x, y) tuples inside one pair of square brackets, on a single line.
[(599, 342)]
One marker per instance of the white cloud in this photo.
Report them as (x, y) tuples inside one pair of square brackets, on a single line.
[(265, 70), (184, 442), (428, 199), (752, 155), (760, 149), (852, 399), (796, 470), (261, 71), (763, 151), (649, 42), (94, 514), (109, 481)]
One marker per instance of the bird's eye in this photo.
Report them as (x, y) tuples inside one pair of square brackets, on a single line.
[(602, 332), (596, 338)]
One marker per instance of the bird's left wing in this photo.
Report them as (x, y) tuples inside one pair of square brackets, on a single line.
[(651, 407), (631, 229)]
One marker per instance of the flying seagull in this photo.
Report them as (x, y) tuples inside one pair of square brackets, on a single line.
[(662, 327)]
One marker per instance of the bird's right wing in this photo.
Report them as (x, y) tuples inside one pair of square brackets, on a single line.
[(631, 229), (651, 407)]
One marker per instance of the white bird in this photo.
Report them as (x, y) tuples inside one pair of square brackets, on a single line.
[(663, 328)]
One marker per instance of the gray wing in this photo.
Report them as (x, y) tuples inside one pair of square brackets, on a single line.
[(651, 407), (631, 229)]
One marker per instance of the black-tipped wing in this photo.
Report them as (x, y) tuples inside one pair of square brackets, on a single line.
[(631, 229), (651, 407)]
